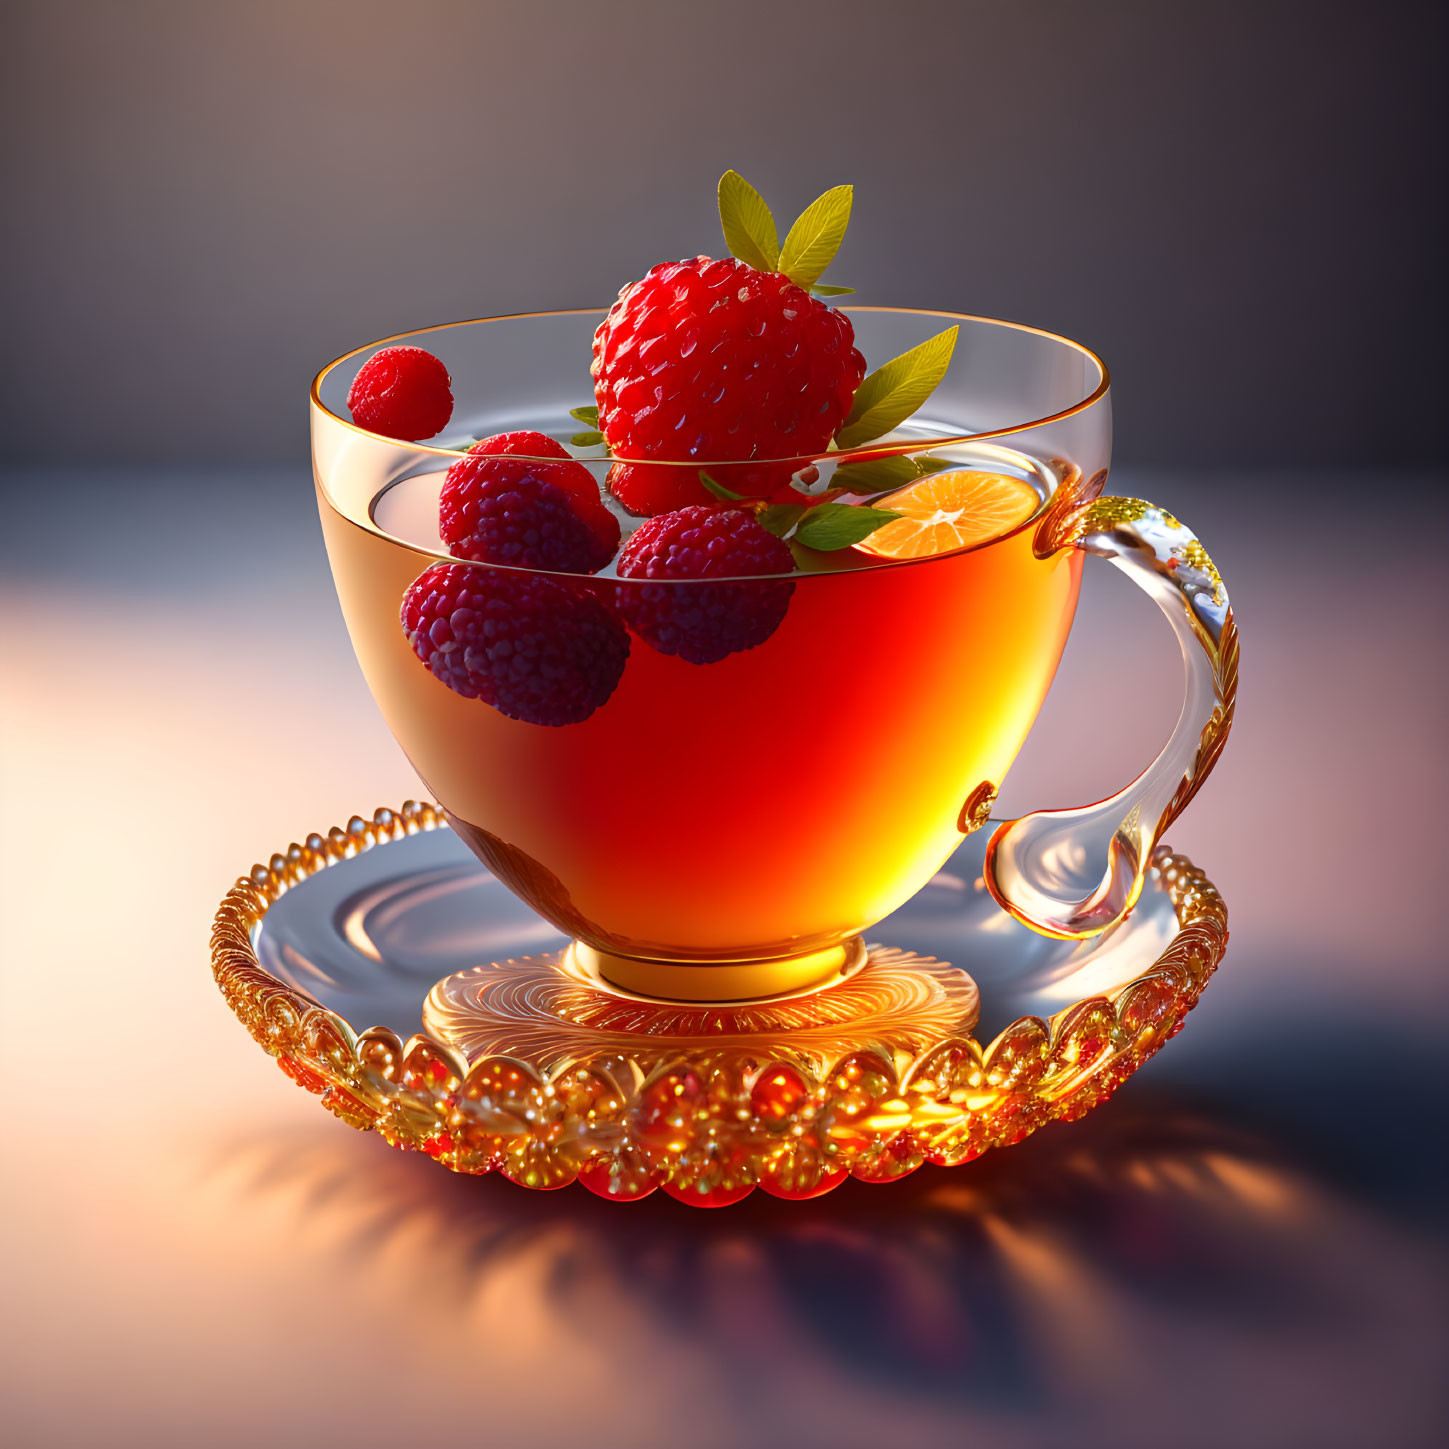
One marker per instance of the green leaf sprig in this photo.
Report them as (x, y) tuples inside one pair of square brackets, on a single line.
[(893, 392), (752, 237), (816, 237), (749, 228), (825, 527), (780, 518), (725, 495), (886, 474), (593, 437), (829, 526)]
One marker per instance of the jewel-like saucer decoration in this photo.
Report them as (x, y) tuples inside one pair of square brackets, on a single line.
[(549, 1010), (549, 1078)]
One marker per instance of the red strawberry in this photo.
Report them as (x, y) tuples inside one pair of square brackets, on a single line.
[(402, 392), (704, 622), (709, 360), (500, 507)]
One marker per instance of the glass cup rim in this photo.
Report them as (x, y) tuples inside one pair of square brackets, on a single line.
[(843, 455)]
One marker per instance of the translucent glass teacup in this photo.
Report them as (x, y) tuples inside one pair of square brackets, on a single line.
[(714, 829)]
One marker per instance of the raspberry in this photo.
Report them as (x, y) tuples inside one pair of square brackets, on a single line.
[(714, 360), (704, 622), (534, 648), (575, 479), (497, 507), (402, 392)]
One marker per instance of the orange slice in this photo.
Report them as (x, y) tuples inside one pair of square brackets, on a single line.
[(948, 511)]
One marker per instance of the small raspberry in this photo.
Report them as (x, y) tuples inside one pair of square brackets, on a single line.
[(714, 360), (535, 649), (575, 480), (704, 622), (498, 507), (402, 392)]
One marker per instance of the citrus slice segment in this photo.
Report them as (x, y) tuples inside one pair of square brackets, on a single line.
[(949, 511)]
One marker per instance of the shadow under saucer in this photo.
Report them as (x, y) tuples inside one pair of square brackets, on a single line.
[(1080, 1282)]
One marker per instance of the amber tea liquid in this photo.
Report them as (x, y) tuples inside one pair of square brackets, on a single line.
[(773, 803)]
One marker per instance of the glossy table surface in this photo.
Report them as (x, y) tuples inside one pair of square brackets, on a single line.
[(1245, 1246)]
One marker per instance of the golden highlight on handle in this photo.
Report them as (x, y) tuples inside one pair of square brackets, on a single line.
[(1047, 868)]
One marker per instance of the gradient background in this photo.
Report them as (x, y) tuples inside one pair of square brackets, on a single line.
[(1241, 206)]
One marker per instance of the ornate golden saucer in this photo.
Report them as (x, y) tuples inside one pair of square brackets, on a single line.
[(392, 976)]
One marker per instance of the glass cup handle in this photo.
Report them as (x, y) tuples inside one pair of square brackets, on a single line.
[(1043, 868)]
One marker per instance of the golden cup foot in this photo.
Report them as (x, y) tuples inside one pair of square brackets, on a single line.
[(551, 1011), (720, 981)]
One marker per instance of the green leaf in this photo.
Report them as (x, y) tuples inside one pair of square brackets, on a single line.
[(875, 475), (586, 440), (718, 489), (821, 290), (780, 518), (749, 229), (810, 560), (893, 392), (838, 525), (816, 237), (585, 415), (886, 474)]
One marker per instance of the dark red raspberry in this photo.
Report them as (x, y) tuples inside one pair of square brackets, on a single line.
[(714, 360), (499, 507), (704, 622), (575, 479), (402, 392), (534, 648)]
